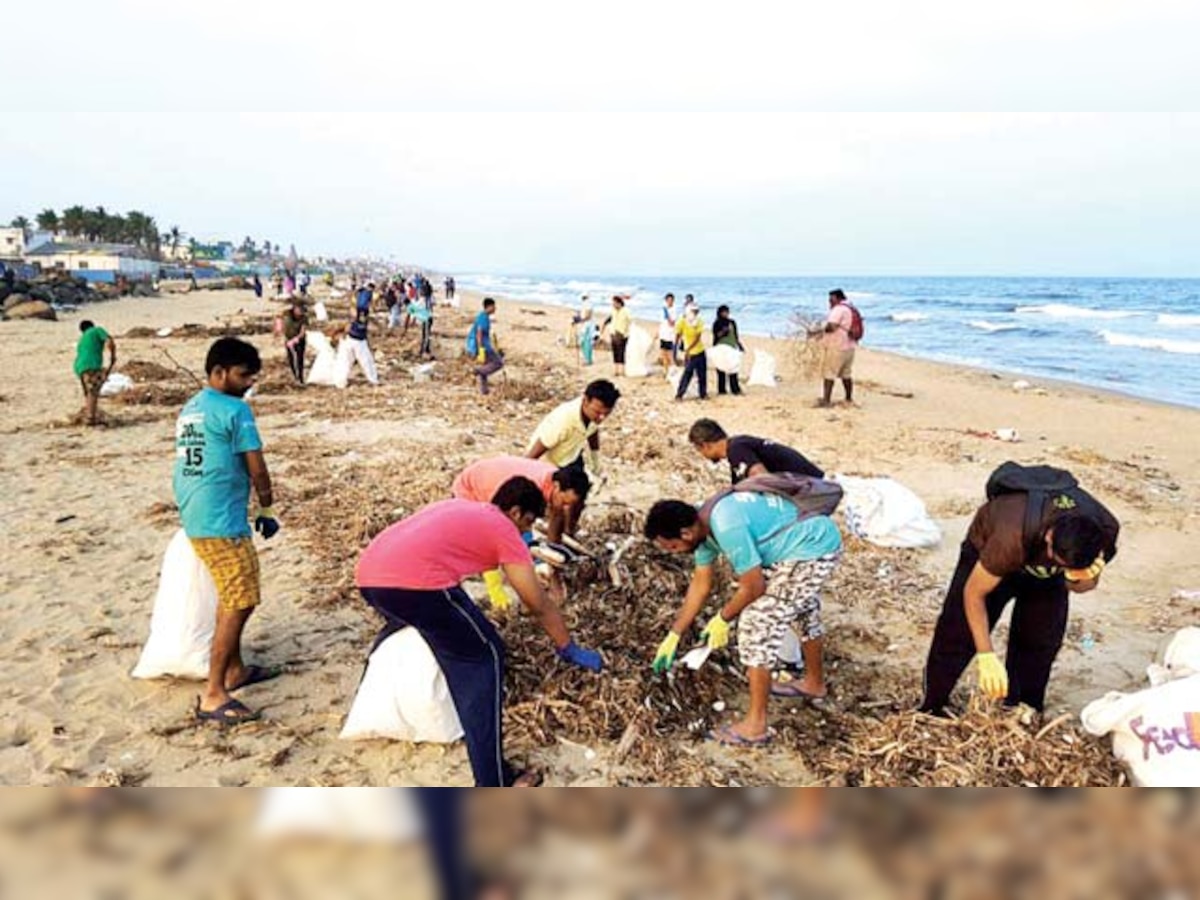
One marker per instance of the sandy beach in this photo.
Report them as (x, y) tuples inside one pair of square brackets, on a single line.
[(87, 513)]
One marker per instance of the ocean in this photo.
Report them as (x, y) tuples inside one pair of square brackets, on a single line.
[(1131, 335)]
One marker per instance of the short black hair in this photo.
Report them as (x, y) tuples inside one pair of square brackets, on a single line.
[(228, 352), (705, 431), (573, 478), (837, 294), (1078, 541), (521, 493), (86, 325), (688, 297), (604, 391), (668, 518), (669, 297), (722, 309), (618, 299), (488, 301)]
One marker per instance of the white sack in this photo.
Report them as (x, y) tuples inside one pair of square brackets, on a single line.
[(762, 373), (403, 695), (320, 312), (1181, 659), (350, 814), (886, 513), (674, 376), (184, 617), (115, 383), (324, 367), (726, 359), (1155, 732), (637, 352)]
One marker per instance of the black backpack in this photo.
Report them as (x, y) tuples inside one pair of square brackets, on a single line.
[(810, 496), (1039, 483)]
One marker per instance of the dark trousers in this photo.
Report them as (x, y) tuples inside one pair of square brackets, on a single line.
[(734, 385), (427, 337), (471, 656), (495, 362), (696, 365), (1039, 623), (441, 810), (296, 359)]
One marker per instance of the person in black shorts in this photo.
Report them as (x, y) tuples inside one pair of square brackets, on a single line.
[(748, 455)]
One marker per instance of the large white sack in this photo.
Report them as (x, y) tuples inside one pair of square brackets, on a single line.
[(1181, 659), (637, 352), (352, 814), (886, 513), (1155, 732), (184, 617), (403, 695), (343, 363), (325, 365), (762, 373), (724, 358)]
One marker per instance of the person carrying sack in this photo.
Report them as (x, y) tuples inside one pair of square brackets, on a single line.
[(1038, 539)]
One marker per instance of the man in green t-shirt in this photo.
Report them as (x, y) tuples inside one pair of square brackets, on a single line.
[(89, 366)]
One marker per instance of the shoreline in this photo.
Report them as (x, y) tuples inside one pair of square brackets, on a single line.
[(996, 372)]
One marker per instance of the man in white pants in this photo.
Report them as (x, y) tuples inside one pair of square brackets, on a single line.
[(354, 345)]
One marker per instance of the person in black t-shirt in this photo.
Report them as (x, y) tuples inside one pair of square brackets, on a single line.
[(748, 455)]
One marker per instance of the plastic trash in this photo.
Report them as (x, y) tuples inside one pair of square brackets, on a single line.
[(116, 383)]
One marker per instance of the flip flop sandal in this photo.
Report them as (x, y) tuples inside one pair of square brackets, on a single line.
[(727, 737), (257, 675), (232, 713), (789, 691)]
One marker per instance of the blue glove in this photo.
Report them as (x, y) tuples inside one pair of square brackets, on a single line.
[(585, 659), (529, 538), (266, 524)]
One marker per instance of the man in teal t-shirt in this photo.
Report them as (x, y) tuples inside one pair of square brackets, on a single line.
[(218, 457), (89, 366), (781, 562)]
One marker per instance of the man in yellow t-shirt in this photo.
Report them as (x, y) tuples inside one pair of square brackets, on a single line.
[(569, 428), (690, 329)]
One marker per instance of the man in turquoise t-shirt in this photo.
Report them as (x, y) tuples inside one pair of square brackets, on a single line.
[(781, 563), (89, 366), (218, 456)]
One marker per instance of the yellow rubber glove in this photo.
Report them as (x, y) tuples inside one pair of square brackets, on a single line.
[(993, 677), (494, 580), (665, 656), (481, 356), (716, 632)]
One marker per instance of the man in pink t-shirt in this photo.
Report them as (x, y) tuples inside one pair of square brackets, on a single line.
[(412, 574), (838, 346), (565, 489)]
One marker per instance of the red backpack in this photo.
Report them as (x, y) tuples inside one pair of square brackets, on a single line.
[(856, 323)]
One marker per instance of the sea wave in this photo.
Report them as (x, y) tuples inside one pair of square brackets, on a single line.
[(992, 327), (1178, 319), (908, 317), (1067, 311), (1117, 339)]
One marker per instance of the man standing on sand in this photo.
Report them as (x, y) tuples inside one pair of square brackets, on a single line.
[(412, 574), (480, 345), (747, 456), (691, 333), (838, 349), (89, 366), (782, 561), (1036, 547), (295, 337), (618, 324), (218, 456), (666, 335), (570, 427), (355, 341)]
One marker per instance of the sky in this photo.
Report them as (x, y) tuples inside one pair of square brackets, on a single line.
[(620, 138)]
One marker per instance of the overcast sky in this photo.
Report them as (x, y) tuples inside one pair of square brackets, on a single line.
[(603, 147)]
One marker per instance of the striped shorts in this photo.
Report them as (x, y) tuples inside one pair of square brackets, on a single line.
[(233, 564), (793, 597)]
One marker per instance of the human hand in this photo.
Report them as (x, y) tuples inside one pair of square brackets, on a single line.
[(266, 523), (993, 677), (665, 657), (716, 632), (498, 596), (585, 659), (481, 356)]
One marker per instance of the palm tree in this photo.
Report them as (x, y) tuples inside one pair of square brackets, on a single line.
[(47, 220), (173, 237), (23, 223), (74, 221), (266, 245)]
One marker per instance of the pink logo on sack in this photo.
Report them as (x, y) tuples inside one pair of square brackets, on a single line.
[(1166, 740)]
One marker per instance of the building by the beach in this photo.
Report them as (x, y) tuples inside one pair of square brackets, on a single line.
[(93, 261)]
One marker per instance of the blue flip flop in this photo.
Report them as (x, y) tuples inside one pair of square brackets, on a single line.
[(257, 675), (727, 737), (232, 713)]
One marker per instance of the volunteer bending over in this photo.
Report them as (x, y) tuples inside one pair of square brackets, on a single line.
[(412, 574)]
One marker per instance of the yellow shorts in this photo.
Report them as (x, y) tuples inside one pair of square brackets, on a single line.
[(837, 364), (233, 564)]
